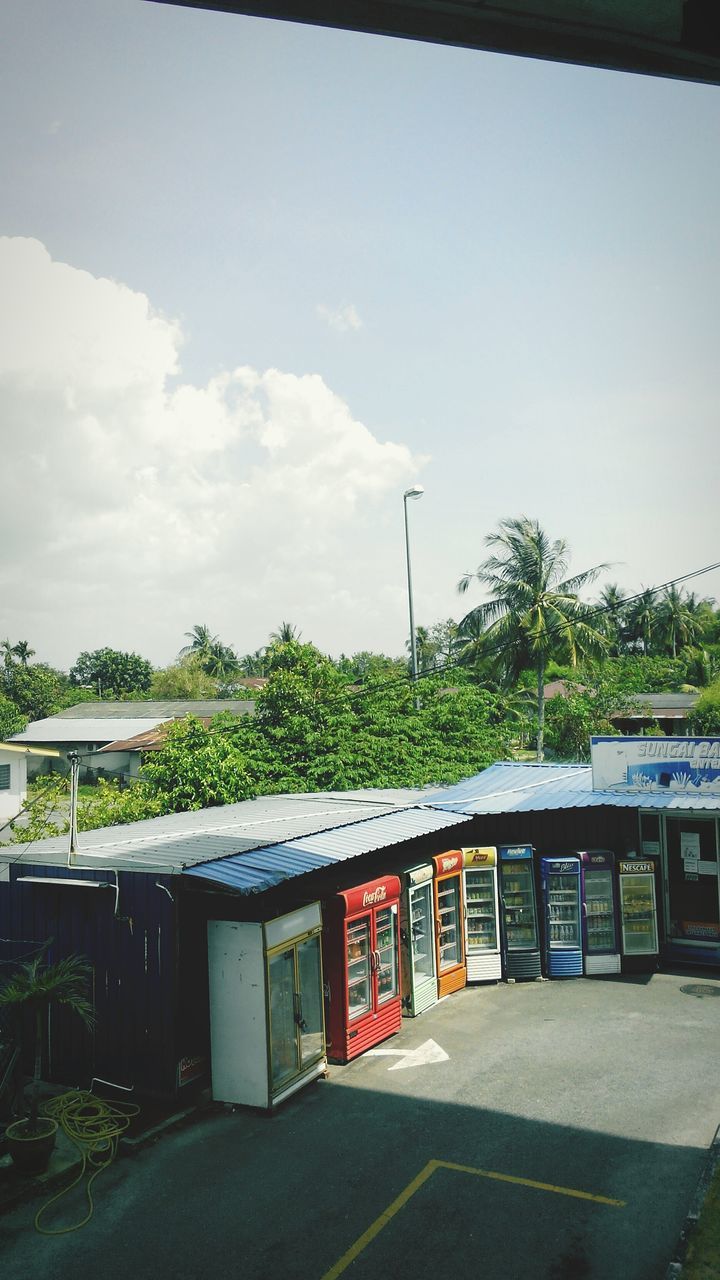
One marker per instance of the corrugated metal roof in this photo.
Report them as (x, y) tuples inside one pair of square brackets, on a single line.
[(254, 872), (152, 709), (171, 844), (521, 788), (55, 729)]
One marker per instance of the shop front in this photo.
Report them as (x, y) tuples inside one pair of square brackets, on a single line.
[(687, 846)]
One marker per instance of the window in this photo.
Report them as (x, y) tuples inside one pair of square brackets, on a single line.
[(4, 777)]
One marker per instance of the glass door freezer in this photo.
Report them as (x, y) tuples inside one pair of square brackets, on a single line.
[(601, 945), (449, 922), (560, 881), (417, 941), (361, 957), (267, 1035), (638, 914), (519, 917), (482, 932)]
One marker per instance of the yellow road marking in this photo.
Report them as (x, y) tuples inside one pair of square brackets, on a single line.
[(399, 1203)]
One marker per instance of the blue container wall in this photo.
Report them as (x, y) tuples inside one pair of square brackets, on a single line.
[(133, 957)]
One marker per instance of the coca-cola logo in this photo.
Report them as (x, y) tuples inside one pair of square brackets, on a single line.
[(371, 896), (447, 864)]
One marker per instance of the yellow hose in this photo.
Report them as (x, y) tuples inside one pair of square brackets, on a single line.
[(95, 1126)]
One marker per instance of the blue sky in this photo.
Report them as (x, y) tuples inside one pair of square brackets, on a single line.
[(492, 275)]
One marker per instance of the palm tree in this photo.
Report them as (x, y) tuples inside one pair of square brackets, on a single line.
[(8, 650), (642, 619), (534, 610), (36, 986), (611, 620), (285, 634), (23, 651), (676, 623), (221, 661), (201, 641)]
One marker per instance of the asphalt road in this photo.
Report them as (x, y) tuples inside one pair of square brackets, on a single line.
[(561, 1139)]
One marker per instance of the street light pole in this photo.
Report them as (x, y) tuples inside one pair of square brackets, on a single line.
[(417, 491)]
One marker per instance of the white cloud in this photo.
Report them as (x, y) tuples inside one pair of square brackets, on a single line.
[(135, 505), (341, 318)]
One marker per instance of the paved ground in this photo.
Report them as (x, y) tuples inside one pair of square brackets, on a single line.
[(562, 1139)]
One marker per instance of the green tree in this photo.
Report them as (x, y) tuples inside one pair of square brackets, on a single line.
[(23, 651), (705, 718), (677, 624), (11, 719), (112, 673), (36, 689), (197, 768), (285, 634), (642, 620), (185, 679), (534, 611)]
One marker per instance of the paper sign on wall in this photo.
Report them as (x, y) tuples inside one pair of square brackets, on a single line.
[(690, 853)]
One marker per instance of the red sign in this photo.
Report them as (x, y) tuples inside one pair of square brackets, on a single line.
[(446, 862), (376, 893)]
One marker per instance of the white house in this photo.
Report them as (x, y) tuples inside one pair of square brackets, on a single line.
[(13, 777)]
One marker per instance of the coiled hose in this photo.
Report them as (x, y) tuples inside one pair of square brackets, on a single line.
[(95, 1126)]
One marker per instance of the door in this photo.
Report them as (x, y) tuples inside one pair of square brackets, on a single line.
[(421, 936), (692, 863), (449, 924), (309, 1007), (283, 1027), (562, 906), (386, 953), (599, 915), (637, 909), (519, 906), (358, 968), (480, 908)]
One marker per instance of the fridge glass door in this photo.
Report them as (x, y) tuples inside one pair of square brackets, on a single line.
[(449, 923), (387, 957), (599, 917), (309, 1001), (423, 957), (358, 967), (480, 907), (283, 1027), (563, 910), (637, 907), (519, 906)]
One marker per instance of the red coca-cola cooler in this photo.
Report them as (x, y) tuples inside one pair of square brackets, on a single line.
[(361, 964)]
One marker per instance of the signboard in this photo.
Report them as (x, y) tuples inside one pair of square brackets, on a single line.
[(656, 766)]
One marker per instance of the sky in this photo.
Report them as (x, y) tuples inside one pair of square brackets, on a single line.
[(258, 278)]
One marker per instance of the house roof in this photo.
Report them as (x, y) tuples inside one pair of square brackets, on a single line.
[(527, 788), (660, 706), (119, 721), (171, 844), (264, 868), (56, 729)]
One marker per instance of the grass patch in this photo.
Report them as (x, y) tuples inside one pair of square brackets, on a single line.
[(703, 1255)]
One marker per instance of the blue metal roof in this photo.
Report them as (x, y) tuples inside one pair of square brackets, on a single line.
[(528, 788), (263, 868)]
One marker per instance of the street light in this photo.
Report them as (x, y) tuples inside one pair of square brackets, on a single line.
[(417, 491)]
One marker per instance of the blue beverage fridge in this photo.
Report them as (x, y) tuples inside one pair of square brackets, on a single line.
[(601, 944), (560, 881), (519, 918)]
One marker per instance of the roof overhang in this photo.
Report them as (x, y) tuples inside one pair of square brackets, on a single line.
[(675, 38), (29, 751)]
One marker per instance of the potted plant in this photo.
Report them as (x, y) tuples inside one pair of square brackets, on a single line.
[(36, 986)]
